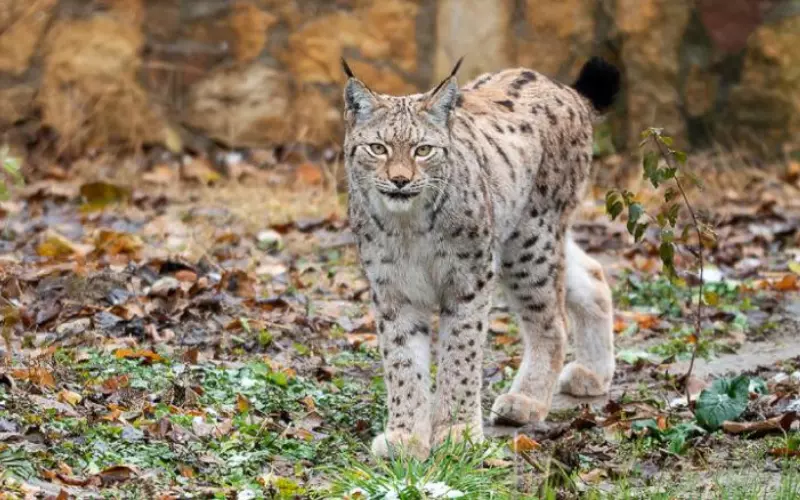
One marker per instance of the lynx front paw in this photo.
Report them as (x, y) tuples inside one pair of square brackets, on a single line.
[(458, 433), (578, 380), (517, 409), (398, 443)]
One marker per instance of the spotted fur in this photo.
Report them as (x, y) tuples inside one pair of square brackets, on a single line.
[(456, 191)]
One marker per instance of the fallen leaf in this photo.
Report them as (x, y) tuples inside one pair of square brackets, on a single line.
[(505, 340), (115, 243), (242, 403), (646, 321), (39, 376), (309, 174), (498, 463), (99, 195), (356, 340), (778, 424), (143, 354), (69, 397), (787, 284), (186, 471), (522, 443), (593, 476), (117, 473), (56, 246), (162, 175), (200, 170)]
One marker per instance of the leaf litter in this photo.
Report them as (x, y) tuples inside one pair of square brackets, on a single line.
[(195, 334)]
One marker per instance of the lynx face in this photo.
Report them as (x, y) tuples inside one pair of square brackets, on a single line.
[(398, 146)]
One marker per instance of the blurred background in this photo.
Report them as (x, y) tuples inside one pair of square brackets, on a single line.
[(80, 76)]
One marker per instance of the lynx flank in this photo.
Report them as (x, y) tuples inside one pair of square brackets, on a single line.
[(453, 192)]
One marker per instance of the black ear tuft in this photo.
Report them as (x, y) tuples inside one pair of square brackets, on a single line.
[(458, 65), (347, 70), (599, 82)]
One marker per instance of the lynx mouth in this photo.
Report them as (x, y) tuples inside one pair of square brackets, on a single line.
[(397, 195)]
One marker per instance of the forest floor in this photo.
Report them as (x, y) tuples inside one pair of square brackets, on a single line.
[(172, 332)]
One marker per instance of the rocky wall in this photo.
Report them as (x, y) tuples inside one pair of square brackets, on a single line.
[(104, 73)]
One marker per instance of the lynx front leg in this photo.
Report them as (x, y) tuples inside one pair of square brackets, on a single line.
[(463, 326), (404, 338), (533, 274)]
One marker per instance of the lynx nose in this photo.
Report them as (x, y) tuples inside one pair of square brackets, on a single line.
[(399, 182)]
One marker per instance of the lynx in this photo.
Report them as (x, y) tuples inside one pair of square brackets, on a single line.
[(451, 193)]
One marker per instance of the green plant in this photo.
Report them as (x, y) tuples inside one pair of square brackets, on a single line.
[(10, 173), (674, 175), (454, 470), (726, 399)]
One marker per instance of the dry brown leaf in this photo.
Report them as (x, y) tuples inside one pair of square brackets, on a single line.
[(39, 376), (522, 443), (505, 340), (200, 170), (162, 175), (143, 354), (99, 195), (117, 473), (646, 321), (497, 463), (358, 339), (309, 174), (56, 246), (788, 283), (115, 243), (242, 403), (778, 424), (186, 471), (69, 397)]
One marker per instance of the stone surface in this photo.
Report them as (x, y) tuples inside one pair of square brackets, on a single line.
[(242, 106), (559, 36), (22, 23), (651, 32), (90, 93), (765, 105), (110, 73), (477, 30)]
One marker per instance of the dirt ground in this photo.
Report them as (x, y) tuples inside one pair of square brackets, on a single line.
[(170, 328)]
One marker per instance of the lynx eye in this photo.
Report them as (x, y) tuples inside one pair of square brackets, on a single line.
[(377, 149), (423, 151)]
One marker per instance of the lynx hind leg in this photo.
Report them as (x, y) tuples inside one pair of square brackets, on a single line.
[(590, 314), (533, 274)]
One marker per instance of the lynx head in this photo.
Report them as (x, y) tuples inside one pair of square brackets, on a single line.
[(397, 148)]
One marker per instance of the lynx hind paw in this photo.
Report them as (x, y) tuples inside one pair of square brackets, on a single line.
[(517, 409), (398, 443)]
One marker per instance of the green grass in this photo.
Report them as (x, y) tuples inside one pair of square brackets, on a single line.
[(454, 470)]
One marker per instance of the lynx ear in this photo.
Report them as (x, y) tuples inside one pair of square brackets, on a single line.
[(443, 98), (359, 101)]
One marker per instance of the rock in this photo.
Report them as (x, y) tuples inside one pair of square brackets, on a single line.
[(74, 327), (767, 98), (795, 377), (250, 29), (16, 103), (22, 23), (652, 32), (269, 238), (780, 377), (243, 106), (164, 286), (475, 29), (90, 91), (559, 36)]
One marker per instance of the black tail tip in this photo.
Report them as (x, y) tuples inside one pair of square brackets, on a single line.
[(599, 82)]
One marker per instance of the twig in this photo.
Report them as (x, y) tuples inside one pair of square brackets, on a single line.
[(669, 158)]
